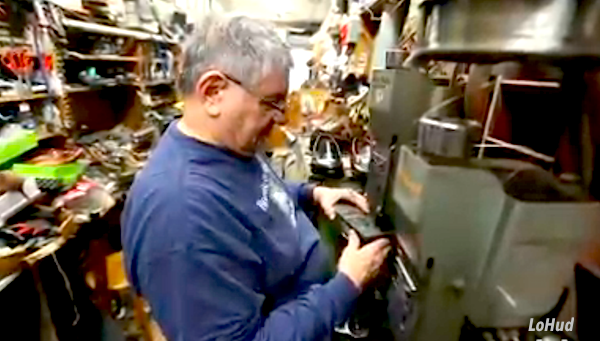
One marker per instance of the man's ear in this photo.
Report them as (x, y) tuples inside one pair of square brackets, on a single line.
[(209, 89)]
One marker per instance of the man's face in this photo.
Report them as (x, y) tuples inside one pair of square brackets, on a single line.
[(250, 115)]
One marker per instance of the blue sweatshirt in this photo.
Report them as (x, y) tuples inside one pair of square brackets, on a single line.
[(219, 247)]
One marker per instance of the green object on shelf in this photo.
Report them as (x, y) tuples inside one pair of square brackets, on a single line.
[(17, 144), (67, 174)]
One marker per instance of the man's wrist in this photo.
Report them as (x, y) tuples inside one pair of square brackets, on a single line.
[(315, 194), (357, 285)]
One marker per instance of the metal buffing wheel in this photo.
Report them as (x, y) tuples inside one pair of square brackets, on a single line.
[(490, 31)]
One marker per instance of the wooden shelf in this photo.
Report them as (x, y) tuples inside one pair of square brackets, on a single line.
[(161, 102), (156, 82), (45, 136), (9, 40), (16, 98), (85, 88), (102, 57), (71, 89), (116, 31)]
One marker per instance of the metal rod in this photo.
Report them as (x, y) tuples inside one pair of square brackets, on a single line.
[(490, 115), (508, 298), (441, 105), (409, 281), (520, 149), (535, 84)]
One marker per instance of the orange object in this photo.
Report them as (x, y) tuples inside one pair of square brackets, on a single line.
[(293, 121), (19, 61), (115, 272)]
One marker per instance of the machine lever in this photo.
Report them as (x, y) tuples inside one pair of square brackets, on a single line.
[(410, 284)]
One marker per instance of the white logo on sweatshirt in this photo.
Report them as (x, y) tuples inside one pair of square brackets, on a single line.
[(272, 189), (263, 201)]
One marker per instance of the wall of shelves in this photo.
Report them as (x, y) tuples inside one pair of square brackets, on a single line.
[(103, 93), (89, 74), (116, 31)]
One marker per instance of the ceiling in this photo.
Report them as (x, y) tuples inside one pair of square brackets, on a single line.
[(284, 11)]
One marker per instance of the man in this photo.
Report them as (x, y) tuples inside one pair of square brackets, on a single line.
[(213, 239)]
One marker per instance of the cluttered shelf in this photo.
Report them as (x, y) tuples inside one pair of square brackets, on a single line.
[(13, 40), (12, 259), (101, 57), (69, 150), (9, 39), (74, 187), (73, 88), (17, 98), (117, 31), (157, 82), (52, 188), (161, 102)]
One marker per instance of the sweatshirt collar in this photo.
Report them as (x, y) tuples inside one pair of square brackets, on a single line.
[(176, 134)]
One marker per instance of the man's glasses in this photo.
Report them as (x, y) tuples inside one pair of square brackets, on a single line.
[(276, 104)]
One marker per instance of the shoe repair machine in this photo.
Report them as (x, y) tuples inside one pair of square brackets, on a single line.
[(485, 244)]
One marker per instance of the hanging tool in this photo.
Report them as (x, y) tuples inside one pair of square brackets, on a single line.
[(20, 63)]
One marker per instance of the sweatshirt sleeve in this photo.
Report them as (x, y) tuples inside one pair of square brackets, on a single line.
[(302, 194), (210, 287)]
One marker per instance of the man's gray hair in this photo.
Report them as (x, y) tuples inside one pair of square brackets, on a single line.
[(243, 48)]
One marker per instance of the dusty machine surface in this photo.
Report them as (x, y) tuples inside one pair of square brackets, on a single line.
[(494, 242)]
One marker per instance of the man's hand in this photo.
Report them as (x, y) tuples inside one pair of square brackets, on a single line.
[(328, 197), (361, 264)]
